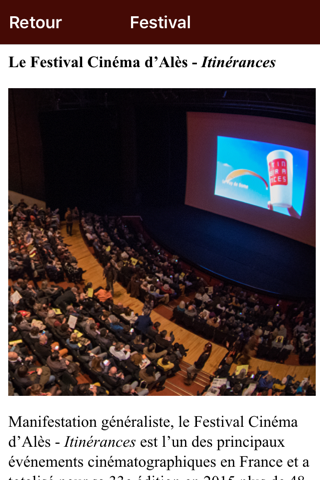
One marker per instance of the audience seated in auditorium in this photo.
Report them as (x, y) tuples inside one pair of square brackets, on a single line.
[(112, 345)]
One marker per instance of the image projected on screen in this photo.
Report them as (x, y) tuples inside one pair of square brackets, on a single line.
[(262, 174)]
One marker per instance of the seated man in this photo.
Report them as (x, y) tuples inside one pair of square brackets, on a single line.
[(91, 330), (17, 360), (42, 346), (67, 298), (58, 365), (118, 309), (163, 340), (105, 339), (116, 379), (51, 291), (53, 270), (165, 363)]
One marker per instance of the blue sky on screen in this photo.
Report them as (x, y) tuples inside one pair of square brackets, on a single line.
[(236, 153)]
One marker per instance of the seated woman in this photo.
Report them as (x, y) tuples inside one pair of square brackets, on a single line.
[(72, 342), (100, 366), (22, 323)]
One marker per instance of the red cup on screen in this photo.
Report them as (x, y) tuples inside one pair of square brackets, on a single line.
[(280, 169)]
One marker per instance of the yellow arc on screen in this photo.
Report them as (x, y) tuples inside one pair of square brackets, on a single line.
[(243, 171)]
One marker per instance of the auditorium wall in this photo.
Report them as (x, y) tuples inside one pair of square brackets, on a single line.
[(26, 172)]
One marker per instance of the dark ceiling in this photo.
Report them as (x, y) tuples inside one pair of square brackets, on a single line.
[(296, 104)]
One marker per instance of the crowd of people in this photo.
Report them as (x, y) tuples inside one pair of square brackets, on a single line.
[(229, 314), (55, 333), (220, 313)]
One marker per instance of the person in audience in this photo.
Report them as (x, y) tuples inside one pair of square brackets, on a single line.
[(133, 390), (69, 297), (17, 359), (191, 311), (42, 346), (142, 323), (165, 364), (153, 330), (104, 295), (163, 340), (105, 339), (181, 307), (64, 331), (161, 298), (98, 364), (26, 376), (58, 365), (150, 352), (153, 378), (36, 390), (120, 351), (117, 379)]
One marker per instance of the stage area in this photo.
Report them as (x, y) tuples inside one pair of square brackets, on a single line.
[(234, 250)]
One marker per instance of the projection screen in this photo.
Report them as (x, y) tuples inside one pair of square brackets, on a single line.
[(256, 170)]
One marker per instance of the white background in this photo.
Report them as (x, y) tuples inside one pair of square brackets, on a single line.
[(296, 67)]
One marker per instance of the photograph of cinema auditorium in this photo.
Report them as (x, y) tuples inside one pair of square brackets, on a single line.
[(161, 242)]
